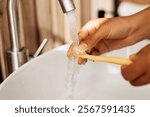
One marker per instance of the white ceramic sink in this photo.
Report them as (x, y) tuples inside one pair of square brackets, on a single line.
[(128, 8), (44, 78)]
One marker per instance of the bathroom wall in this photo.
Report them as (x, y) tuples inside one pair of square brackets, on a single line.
[(1, 80), (98, 5), (44, 18), (4, 37), (0, 49)]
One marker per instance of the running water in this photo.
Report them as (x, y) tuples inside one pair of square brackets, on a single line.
[(73, 67), (73, 26)]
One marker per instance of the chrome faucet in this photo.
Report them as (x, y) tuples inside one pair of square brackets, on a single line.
[(18, 55), (67, 5)]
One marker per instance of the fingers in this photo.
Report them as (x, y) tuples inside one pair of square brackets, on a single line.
[(134, 70), (142, 80), (106, 45), (90, 28), (138, 73), (92, 40), (82, 61), (70, 54), (103, 44), (95, 52)]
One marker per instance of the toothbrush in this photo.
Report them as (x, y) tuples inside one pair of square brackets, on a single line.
[(108, 59)]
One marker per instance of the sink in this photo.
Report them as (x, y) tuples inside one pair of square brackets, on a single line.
[(44, 78), (132, 8)]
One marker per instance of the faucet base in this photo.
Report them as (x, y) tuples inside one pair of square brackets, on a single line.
[(16, 59)]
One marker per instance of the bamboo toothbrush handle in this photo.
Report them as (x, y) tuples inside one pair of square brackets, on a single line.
[(109, 59)]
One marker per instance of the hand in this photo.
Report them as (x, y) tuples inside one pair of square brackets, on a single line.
[(138, 73), (103, 35)]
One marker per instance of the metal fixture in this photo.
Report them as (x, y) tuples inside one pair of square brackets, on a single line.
[(40, 48), (18, 55), (67, 5)]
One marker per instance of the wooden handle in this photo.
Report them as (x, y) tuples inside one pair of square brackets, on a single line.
[(109, 59)]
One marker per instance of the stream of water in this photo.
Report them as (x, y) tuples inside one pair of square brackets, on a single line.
[(72, 67)]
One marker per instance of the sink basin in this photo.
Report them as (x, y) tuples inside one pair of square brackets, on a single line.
[(44, 78), (132, 8)]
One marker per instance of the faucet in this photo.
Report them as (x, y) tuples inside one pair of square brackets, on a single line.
[(67, 5), (18, 55)]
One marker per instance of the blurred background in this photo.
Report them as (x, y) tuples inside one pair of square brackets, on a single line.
[(44, 18)]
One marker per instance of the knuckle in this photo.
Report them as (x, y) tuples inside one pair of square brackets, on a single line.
[(82, 34), (131, 41)]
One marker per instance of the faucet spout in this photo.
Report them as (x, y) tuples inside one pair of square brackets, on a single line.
[(18, 55), (12, 13), (67, 5)]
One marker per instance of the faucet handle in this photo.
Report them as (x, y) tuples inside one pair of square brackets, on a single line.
[(40, 48)]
